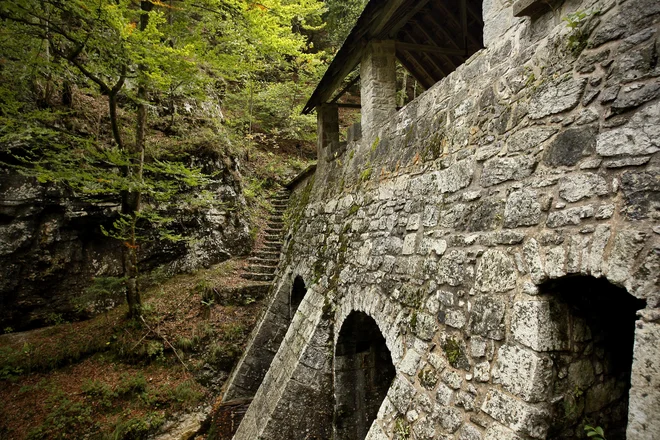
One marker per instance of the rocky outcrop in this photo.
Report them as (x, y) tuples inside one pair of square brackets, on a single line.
[(51, 245)]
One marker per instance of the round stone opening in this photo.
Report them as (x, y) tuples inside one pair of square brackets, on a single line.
[(363, 373), (593, 363), (298, 292)]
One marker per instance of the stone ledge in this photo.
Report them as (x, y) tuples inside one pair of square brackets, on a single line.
[(531, 8)]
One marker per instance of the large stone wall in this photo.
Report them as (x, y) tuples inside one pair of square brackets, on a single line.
[(537, 160)]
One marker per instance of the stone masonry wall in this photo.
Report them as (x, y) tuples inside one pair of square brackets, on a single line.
[(536, 160)]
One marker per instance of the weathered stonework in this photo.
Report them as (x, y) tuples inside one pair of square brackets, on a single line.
[(517, 171)]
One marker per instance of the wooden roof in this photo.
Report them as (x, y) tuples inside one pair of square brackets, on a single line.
[(432, 38)]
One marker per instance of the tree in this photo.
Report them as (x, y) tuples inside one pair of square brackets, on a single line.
[(134, 53)]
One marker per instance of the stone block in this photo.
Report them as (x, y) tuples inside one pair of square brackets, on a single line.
[(644, 406), (641, 135), (487, 317), (541, 325), (556, 96), (570, 146), (496, 272), (469, 432), (533, 260), (529, 139), (522, 372), (522, 209), (502, 169), (499, 432), (627, 246), (521, 417), (457, 176), (448, 417), (576, 187)]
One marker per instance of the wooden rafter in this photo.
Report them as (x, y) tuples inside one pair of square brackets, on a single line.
[(451, 17), (415, 69), (436, 42), (464, 24), (416, 47), (427, 58), (350, 84), (410, 14)]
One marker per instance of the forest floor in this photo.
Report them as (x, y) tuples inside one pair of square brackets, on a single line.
[(110, 378)]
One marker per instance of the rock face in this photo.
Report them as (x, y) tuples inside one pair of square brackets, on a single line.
[(503, 241), (51, 245)]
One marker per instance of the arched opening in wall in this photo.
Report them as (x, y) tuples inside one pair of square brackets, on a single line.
[(594, 325), (363, 373), (298, 292)]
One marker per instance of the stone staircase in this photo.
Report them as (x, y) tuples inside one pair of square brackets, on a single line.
[(263, 261)]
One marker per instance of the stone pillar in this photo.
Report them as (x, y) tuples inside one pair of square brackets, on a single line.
[(377, 87), (327, 117)]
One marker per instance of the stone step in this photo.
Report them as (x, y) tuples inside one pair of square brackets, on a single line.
[(257, 268), (278, 212), (273, 248), (275, 225), (263, 261), (275, 218), (273, 231), (258, 276), (273, 237), (279, 203), (241, 295), (265, 253)]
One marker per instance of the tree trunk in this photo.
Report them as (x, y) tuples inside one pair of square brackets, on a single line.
[(131, 199)]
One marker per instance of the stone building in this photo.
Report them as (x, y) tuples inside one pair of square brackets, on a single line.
[(482, 263)]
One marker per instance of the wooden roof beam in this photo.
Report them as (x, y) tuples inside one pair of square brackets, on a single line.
[(416, 70), (386, 15), (427, 48), (475, 15), (428, 59), (435, 41), (350, 84), (455, 22), (404, 20), (464, 24)]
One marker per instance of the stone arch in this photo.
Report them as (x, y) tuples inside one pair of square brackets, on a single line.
[(363, 374), (298, 292), (583, 330)]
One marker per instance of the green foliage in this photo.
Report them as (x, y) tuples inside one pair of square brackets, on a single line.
[(64, 416), (595, 433), (366, 173), (428, 378), (341, 17), (452, 350), (137, 428), (578, 22), (401, 429)]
